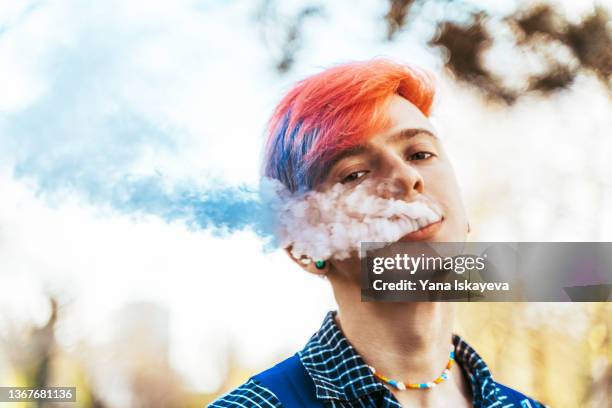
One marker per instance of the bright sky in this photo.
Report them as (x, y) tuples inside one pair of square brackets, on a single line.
[(181, 90)]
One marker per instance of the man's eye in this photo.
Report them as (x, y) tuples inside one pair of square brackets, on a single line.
[(354, 176), (420, 156)]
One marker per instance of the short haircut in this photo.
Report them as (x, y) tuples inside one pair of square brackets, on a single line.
[(334, 110)]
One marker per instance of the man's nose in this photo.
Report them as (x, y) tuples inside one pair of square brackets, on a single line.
[(402, 181)]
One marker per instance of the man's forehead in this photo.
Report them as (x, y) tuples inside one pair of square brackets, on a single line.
[(394, 137)]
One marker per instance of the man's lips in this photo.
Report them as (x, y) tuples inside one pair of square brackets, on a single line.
[(423, 233)]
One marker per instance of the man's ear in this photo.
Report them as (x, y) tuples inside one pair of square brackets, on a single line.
[(307, 263)]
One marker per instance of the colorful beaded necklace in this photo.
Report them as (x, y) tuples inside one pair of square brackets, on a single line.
[(402, 386)]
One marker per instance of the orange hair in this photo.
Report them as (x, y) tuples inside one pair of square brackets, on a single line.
[(334, 110)]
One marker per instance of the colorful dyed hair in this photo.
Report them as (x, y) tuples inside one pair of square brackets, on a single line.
[(335, 110)]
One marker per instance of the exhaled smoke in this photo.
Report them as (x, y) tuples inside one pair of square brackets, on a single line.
[(319, 225), (333, 223)]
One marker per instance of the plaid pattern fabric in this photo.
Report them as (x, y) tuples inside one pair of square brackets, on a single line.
[(342, 379)]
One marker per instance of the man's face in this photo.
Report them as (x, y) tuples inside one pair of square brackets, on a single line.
[(406, 163), (409, 158)]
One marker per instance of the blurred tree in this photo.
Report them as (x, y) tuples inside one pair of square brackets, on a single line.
[(538, 32), (37, 360), (285, 33), (31, 350)]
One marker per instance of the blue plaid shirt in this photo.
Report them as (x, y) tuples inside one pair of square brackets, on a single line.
[(342, 379)]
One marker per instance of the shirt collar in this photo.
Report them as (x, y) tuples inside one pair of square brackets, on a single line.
[(338, 371), (335, 367), (483, 385)]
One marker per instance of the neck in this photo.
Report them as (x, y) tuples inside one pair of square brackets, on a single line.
[(404, 341)]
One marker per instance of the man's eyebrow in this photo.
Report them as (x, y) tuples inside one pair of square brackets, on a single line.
[(323, 172), (409, 133), (351, 151)]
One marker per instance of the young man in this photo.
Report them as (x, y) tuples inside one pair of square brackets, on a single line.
[(368, 121)]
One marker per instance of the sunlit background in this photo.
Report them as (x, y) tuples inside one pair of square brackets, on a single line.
[(111, 111)]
